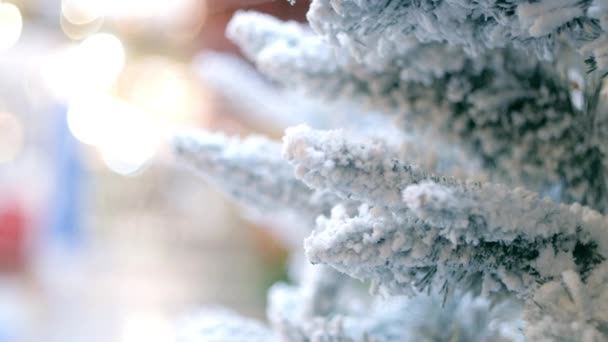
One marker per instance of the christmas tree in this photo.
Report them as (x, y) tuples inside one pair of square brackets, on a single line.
[(479, 218)]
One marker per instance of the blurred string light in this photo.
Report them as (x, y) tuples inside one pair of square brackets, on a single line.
[(11, 142), (11, 24)]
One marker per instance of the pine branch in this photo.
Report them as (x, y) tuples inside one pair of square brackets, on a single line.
[(221, 325), (461, 70), (362, 169), (483, 238), (371, 28), (304, 61), (252, 172), (493, 212), (517, 115), (465, 318), (457, 233), (308, 311), (254, 31), (257, 99)]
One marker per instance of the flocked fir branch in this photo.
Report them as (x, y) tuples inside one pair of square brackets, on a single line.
[(571, 308), (260, 101), (445, 235), (220, 325), (339, 316), (516, 114), (370, 28), (312, 310), (365, 170), (466, 318), (480, 244), (252, 172), (518, 86)]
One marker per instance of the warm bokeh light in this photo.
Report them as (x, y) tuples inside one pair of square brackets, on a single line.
[(84, 11), (147, 8), (80, 31), (131, 145), (176, 20), (92, 66), (156, 93), (166, 90), (11, 132), (57, 72), (11, 25), (121, 132), (80, 12), (156, 96), (102, 58), (90, 118)]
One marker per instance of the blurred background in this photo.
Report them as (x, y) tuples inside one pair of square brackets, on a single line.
[(102, 236)]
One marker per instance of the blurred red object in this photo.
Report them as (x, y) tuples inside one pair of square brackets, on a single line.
[(13, 232)]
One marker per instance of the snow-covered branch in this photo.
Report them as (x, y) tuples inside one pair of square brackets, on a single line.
[(516, 87), (493, 212), (362, 169), (252, 172), (256, 99), (570, 308), (308, 63), (346, 318), (484, 238), (370, 28), (220, 325), (515, 114)]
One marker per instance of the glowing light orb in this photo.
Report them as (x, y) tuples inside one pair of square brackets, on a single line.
[(11, 24)]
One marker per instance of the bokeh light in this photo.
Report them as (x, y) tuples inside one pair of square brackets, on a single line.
[(102, 58), (156, 9), (11, 24), (165, 90), (176, 21), (121, 132), (156, 95), (80, 12), (80, 31), (92, 66), (90, 118), (11, 132)]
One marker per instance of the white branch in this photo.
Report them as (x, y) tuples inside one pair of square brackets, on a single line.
[(371, 28), (363, 169), (252, 172)]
